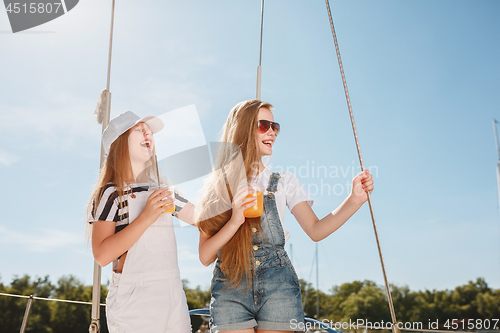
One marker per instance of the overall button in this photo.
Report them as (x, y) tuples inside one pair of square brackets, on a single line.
[(255, 247), (254, 229), (270, 195), (257, 263)]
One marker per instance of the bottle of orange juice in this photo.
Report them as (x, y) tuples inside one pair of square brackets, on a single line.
[(171, 196), (257, 209)]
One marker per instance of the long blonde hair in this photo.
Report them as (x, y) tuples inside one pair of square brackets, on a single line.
[(214, 207), (117, 170)]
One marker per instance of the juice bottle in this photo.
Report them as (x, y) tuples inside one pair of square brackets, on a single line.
[(257, 209), (172, 196)]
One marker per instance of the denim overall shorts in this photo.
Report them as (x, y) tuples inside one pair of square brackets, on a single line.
[(272, 300)]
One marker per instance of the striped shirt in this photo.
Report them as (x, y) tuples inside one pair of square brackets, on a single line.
[(115, 209)]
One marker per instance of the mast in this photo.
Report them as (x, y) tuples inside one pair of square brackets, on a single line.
[(498, 151), (95, 327), (317, 283), (496, 136)]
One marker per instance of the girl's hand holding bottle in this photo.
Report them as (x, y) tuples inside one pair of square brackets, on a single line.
[(210, 245), (157, 204), (239, 204)]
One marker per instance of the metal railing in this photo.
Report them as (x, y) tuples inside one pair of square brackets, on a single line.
[(308, 322), (30, 302), (196, 312)]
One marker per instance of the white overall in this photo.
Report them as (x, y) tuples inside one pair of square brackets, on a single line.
[(147, 296)]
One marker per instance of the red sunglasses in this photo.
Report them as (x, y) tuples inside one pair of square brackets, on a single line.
[(264, 125)]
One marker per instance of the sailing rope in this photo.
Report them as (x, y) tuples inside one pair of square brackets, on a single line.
[(307, 285), (388, 292), (259, 68), (49, 299), (204, 312)]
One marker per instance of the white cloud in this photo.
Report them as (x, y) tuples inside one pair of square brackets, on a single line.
[(7, 158), (38, 240)]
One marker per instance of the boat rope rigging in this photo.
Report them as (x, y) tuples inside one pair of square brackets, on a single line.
[(306, 294), (388, 292), (259, 68)]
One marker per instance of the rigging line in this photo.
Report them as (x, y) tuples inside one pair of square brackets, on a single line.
[(496, 136), (110, 43), (49, 299), (317, 282), (498, 150), (261, 30), (259, 68), (307, 285), (388, 292)]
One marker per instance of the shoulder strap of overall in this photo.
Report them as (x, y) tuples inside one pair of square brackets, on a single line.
[(273, 182)]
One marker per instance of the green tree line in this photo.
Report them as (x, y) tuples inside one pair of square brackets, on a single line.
[(354, 300), (365, 300)]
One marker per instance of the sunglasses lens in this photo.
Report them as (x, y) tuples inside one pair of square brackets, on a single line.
[(276, 128), (263, 126)]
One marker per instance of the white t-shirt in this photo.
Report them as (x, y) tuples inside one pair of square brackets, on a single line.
[(290, 192)]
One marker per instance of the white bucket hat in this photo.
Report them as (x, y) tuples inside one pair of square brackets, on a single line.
[(120, 124)]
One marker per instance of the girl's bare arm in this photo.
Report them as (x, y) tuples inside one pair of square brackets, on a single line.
[(318, 229), (107, 246), (210, 245)]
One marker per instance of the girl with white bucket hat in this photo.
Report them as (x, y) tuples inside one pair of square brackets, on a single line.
[(131, 229)]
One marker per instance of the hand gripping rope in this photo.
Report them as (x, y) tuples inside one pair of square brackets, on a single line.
[(395, 328)]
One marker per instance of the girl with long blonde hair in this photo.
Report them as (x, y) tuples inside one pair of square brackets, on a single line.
[(254, 284), (130, 227)]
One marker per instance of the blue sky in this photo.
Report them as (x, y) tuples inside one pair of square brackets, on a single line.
[(423, 78)]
